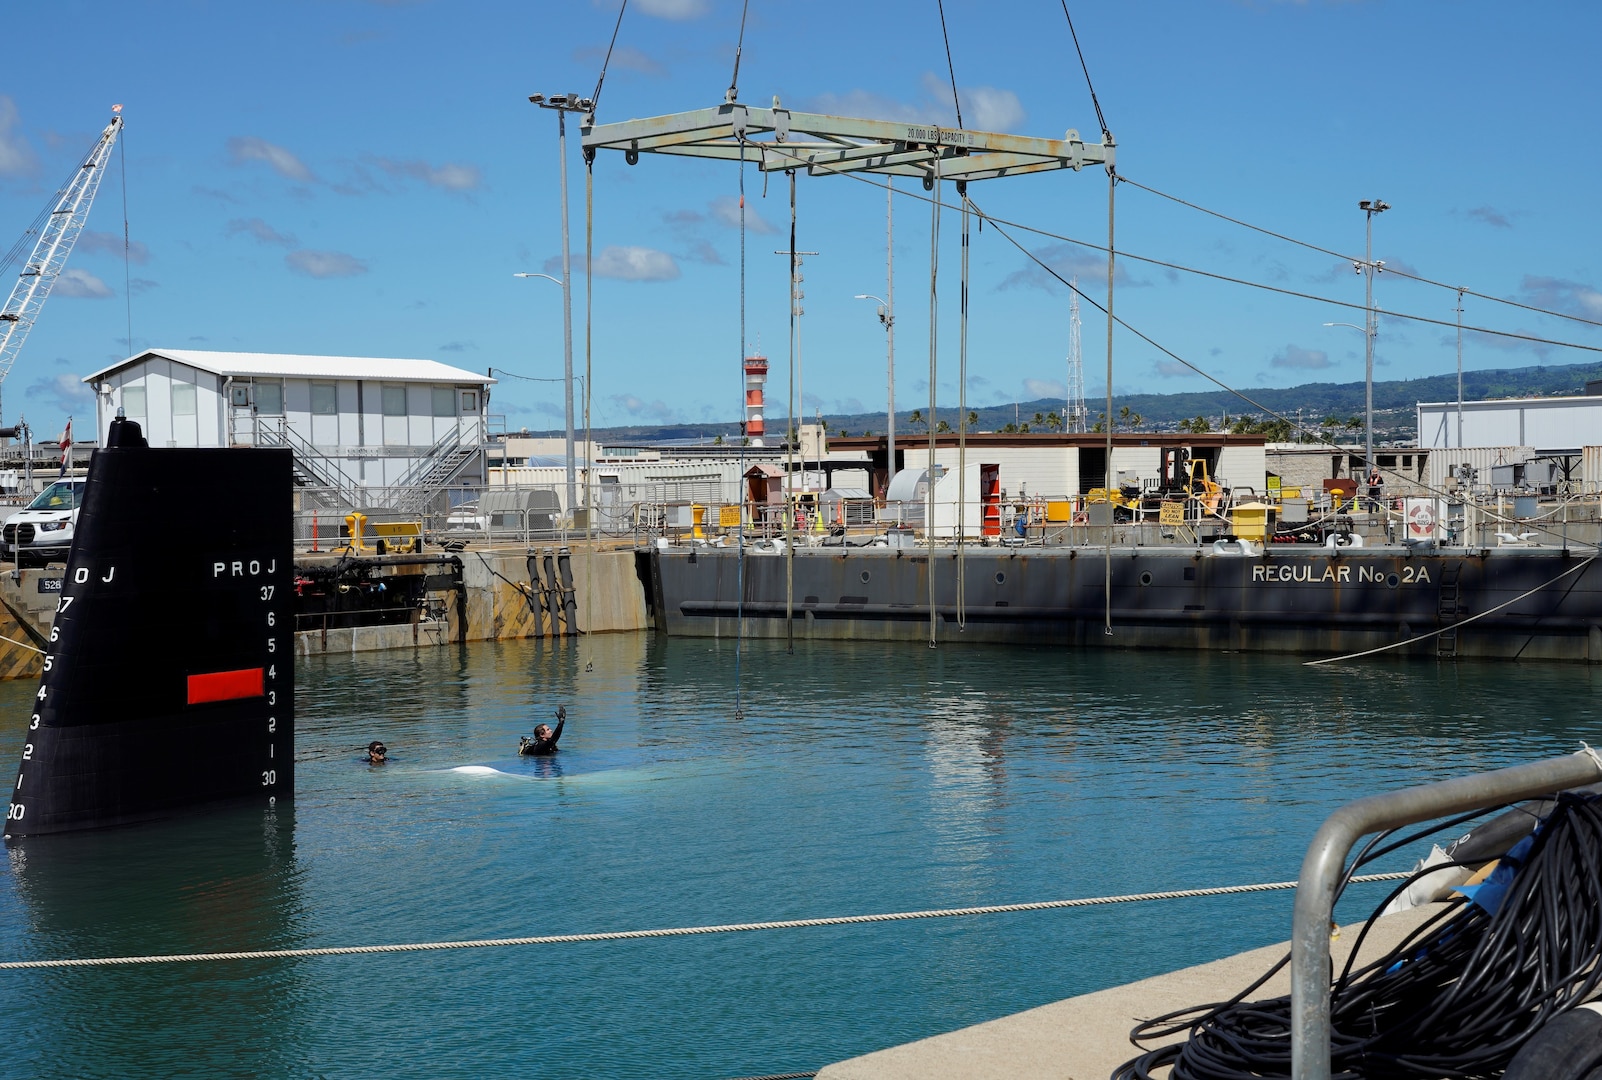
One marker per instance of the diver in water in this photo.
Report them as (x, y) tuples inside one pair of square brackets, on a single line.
[(543, 743), (377, 753)]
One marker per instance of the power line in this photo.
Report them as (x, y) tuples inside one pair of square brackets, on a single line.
[(1348, 258), (1228, 279)]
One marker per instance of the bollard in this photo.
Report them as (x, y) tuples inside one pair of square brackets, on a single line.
[(354, 522)]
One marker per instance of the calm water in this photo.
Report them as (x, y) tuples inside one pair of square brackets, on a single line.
[(864, 778)]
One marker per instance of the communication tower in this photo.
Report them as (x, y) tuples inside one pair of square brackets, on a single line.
[(1075, 414)]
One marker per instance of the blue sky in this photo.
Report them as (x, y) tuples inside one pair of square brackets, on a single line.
[(363, 178)]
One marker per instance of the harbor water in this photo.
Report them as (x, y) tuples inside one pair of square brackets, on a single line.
[(860, 778)]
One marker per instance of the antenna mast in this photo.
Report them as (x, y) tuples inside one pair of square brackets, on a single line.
[(1075, 412)]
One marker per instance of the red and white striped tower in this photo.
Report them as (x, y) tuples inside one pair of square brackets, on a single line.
[(756, 377)]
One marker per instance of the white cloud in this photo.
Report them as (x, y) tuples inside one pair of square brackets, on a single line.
[(260, 231), (68, 393), (1295, 357), (16, 156), (867, 105), (1170, 369), (623, 57), (984, 108), (642, 409), (451, 176), (1490, 215), (111, 244), (1070, 261), (324, 264), (1570, 297), (726, 209), (624, 263), (81, 284), (1044, 388), (250, 148), (676, 10)]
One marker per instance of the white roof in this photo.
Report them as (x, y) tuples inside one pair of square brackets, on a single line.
[(285, 365)]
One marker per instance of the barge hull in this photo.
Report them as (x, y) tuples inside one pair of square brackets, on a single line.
[(1445, 602)]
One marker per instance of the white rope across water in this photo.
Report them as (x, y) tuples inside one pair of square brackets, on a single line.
[(681, 931)]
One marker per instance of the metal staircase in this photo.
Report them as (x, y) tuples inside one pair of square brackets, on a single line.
[(312, 468), (434, 471)]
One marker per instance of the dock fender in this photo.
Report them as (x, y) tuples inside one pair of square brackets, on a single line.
[(1568, 1047)]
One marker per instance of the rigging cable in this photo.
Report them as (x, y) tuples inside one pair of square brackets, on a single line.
[(1107, 468), (595, 98), (679, 931), (127, 274), (589, 328), (955, 99), (1100, 119), (739, 533), (792, 504), (934, 332), (1348, 258), (1351, 305), (734, 80), (962, 422)]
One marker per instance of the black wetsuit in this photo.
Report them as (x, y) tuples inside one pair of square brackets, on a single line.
[(541, 747)]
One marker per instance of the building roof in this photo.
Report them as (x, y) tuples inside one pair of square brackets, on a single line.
[(286, 365), (983, 439)]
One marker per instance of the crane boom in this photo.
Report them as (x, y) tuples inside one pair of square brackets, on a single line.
[(57, 234)]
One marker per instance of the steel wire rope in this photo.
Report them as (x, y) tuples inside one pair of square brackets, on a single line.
[(792, 502), (127, 273), (1348, 258), (962, 423), (1460, 623), (589, 343), (956, 100), (739, 529), (1182, 268), (734, 79), (1318, 438), (1095, 103), (1001, 224), (595, 98), (934, 331), (1107, 467), (679, 931)]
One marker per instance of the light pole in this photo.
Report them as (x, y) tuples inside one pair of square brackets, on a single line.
[(1369, 268), (887, 317), (567, 367), (564, 104), (1368, 421)]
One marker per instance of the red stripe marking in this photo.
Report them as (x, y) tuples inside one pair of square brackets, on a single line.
[(226, 685)]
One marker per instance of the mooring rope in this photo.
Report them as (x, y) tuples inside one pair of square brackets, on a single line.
[(678, 931), (1461, 622)]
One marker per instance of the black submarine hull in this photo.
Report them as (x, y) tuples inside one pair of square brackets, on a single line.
[(169, 676), (1285, 598)]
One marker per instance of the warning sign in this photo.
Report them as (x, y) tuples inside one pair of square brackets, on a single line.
[(1171, 513)]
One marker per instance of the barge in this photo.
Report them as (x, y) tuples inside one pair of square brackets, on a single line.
[(1500, 602)]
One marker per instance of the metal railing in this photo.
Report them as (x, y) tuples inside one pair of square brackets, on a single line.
[(1325, 863)]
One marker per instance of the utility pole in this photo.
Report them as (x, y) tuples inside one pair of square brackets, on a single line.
[(1370, 207), (889, 320), (564, 104), (1460, 375)]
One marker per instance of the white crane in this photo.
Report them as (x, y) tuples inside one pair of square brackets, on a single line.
[(57, 226)]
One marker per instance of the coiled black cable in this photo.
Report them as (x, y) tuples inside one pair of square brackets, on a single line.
[(1457, 999)]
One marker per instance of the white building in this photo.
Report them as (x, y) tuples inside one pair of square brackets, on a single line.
[(357, 424), (1552, 425)]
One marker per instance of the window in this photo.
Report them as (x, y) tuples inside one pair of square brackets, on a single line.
[(270, 398), (444, 401), (239, 395), (469, 402), (394, 401), (183, 399), (324, 399), (133, 401)]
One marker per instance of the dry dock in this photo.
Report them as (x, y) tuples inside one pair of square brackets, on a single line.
[(1087, 1037)]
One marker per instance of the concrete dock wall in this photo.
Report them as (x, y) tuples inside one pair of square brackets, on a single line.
[(502, 599)]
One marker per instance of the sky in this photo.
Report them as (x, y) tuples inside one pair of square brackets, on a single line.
[(364, 177)]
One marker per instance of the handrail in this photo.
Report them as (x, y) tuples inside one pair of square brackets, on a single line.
[(1326, 860)]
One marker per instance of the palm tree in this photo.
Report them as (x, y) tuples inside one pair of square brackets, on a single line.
[(1053, 421), (973, 419), (917, 419), (942, 428)]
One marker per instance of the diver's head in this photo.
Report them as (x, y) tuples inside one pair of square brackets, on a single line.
[(377, 752), (542, 732)]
